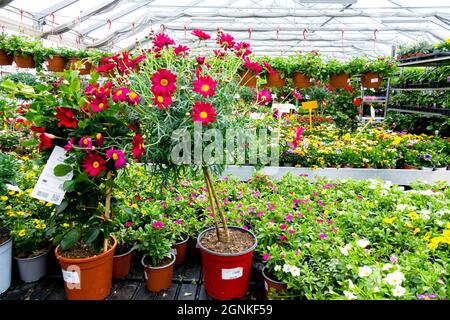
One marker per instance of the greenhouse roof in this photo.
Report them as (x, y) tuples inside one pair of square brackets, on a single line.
[(274, 27)]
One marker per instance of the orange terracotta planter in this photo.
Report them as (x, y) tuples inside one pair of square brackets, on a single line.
[(86, 66), (5, 59), (371, 80), (339, 80), (271, 284), (122, 264), (248, 79), (274, 80), (88, 278), (158, 278), (301, 81), (24, 61), (409, 167), (57, 64), (179, 250)]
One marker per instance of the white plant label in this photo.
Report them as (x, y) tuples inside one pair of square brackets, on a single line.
[(283, 107), (71, 276), (173, 251), (266, 285), (373, 80), (229, 274), (372, 112), (50, 187)]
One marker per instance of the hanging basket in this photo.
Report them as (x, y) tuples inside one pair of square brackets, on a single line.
[(5, 59), (371, 80), (275, 80), (301, 80), (248, 79), (339, 80), (24, 61), (86, 66), (57, 64)]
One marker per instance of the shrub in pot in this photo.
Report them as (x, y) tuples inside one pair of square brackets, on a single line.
[(81, 60), (58, 58), (276, 71), (305, 67), (27, 52), (180, 239), (374, 70), (6, 57), (338, 72), (123, 254)]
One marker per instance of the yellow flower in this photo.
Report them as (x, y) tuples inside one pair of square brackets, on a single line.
[(416, 230), (41, 201), (396, 141), (134, 205), (346, 137), (11, 214), (29, 191), (413, 216), (446, 233), (4, 198), (8, 207), (21, 233), (11, 193), (144, 212), (66, 225), (448, 225), (48, 204), (20, 213), (427, 236), (43, 226), (436, 45), (326, 212), (389, 220), (38, 226), (409, 225)]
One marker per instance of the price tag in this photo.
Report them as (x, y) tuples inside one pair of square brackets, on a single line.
[(310, 105), (70, 276), (372, 112), (229, 274), (373, 80), (50, 187)]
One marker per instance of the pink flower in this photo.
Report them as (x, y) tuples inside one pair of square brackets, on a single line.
[(120, 94), (128, 224), (283, 237), (85, 142), (245, 227), (118, 157), (288, 218), (179, 198), (178, 221), (162, 40), (291, 231), (266, 256), (393, 259), (260, 214), (253, 66), (200, 60), (263, 97), (268, 67), (69, 144), (181, 50), (200, 34), (283, 226), (226, 40), (322, 236), (242, 49), (157, 225), (297, 95)]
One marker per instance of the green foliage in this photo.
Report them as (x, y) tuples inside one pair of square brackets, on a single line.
[(8, 171)]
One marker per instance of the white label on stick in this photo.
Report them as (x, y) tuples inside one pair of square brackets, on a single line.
[(373, 80), (50, 187), (229, 274), (372, 112), (71, 276)]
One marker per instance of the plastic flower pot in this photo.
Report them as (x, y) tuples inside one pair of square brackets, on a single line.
[(409, 167), (5, 59), (5, 262), (193, 251), (85, 68), (301, 80), (275, 80), (257, 268), (339, 80), (179, 250), (34, 268), (122, 264), (248, 79), (271, 284), (371, 80), (24, 61), (88, 278), (158, 278), (226, 275), (57, 64)]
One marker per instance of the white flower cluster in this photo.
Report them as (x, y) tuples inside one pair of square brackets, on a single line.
[(362, 243), (344, 250), (295, 271), (395, 279), (405, 207)]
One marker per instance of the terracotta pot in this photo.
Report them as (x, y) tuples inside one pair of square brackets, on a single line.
[(371, 80), (88, 278), (122, 264), (57, 64), (179, 250), (339, 80), (5, 59), (248, 79), (86, 66), (275, 80), (409, 167), (158, 278), (301, 81), (272, 284), (24, 61)]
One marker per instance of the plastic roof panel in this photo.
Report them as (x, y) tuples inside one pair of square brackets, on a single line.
[(340, 27)]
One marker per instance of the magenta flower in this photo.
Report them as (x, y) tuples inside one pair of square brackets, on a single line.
[(291, 231), (271, 207), (245, 227), (283, 237), (225, 201), (300, 215), (393, 259), (157, 225), (178, 221), (283, 226), (322, 236), (128, 224), (85, 142), (266, 256), (320, 203), (179, 198), (260, 214), (309, 208), (120, 94), (118, 156), (288, 218), (69, 144), (238, 220), (263, 97)]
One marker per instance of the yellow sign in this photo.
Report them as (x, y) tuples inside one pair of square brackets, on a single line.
[(310, 105)]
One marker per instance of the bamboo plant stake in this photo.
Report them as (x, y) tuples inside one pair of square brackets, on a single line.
[(107, 206), (210, 197)]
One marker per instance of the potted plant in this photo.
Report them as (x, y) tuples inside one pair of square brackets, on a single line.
[(276, 69), (154, 241), (27, 53), (374, 70), (179, 239), (6, 57), (339, 72), (305, 67), (58, 58), (274, 286), (81, 61), (123, 254), (249, 71)]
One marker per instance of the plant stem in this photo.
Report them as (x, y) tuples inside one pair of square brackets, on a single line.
[(210, 197), (107, 207), (219, 208)]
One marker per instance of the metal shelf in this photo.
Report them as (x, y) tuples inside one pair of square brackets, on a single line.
[(427, 62), (417, 112), (420, 89), (375, 101)]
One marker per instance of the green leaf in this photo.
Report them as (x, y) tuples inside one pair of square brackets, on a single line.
[(83, 124), (70, 239), (82, 177), (62, 206), (61, 170), (69, 186), (91, 236), (29, 143)]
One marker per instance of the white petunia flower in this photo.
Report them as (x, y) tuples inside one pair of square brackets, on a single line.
[(277, 268), (440, 223), (362, 243), (364, 271), (349, 295), (387, 266), (398, 291), (348, 246), (350, 284), (395, 278), (295, 271), (344, 251), (287, 268)]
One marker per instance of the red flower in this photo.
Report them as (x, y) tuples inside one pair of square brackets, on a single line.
[(203, 112), (181, 50), (138, 146), (226, 41), (120, 94), (106, 67), (133, 97), (200, 60), (348, 88), (99, 105), (66, 117), (252, 66), (99, 139), (162, 40), (45, 141), (268, 67), (205, 86), (37, 129), (357, 102), (200, 34), (94, 164), (219, 53), (263, 97), (164, 81), (161, 100), (242, 49)]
